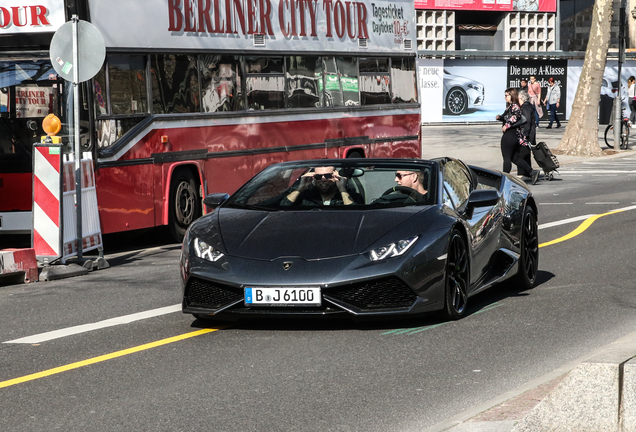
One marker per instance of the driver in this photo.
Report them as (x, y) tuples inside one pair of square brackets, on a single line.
[(414, 180), (322, 186)]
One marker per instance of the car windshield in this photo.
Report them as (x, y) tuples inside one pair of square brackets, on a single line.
[(343, 184)]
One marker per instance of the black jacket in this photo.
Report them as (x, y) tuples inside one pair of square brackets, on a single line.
[(529, 129)]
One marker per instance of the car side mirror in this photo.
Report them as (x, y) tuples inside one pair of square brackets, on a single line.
[(481, 198), (214, 200)]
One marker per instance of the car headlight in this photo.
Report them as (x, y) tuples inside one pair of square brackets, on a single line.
[(392, 250), (205, 251), (475, 86)]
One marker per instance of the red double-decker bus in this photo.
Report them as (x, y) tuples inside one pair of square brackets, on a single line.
[(196, 96)]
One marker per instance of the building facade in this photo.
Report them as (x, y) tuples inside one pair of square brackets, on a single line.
[(470, 51)]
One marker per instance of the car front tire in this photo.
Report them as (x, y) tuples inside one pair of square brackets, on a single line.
[(456, 101), (457, 277)]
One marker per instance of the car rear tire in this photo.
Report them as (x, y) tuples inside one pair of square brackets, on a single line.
[(457, 277), (456, 101), (529, 257), (185, 205)]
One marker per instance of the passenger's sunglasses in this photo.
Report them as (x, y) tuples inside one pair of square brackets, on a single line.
[(319, 176), (399, 175)]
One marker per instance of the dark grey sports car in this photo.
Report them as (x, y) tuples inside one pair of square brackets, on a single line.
[(359, 237)]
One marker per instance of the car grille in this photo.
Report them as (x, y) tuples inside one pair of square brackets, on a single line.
[(210, 295), (377, 294)]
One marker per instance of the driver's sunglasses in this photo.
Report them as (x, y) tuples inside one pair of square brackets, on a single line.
[(399, 175), (319, 176)]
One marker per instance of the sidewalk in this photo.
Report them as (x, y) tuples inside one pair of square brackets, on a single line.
[(479, 144)]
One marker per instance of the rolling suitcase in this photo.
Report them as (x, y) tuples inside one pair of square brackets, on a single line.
[(545, 159)]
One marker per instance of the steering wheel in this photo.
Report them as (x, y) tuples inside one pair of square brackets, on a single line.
[(402, 189)]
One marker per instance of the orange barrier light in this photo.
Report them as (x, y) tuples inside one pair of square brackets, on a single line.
[(51, 124)]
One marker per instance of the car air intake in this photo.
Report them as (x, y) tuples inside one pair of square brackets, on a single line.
[(386, 293), (202, 293)]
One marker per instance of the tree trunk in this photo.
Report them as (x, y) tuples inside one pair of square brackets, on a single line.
[(581, 134)]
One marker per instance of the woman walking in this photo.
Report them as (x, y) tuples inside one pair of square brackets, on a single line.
[(510, 147), (534, 90)]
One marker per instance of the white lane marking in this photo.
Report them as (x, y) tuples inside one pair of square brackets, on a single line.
[(578, 218), (126, 319), (564, 221), (575, 171), (599, 203), (556, 203)]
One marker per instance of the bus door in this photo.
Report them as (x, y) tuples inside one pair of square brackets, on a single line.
[(29, 90)]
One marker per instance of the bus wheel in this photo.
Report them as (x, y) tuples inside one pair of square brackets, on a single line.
[(355, 154), (185, 206)]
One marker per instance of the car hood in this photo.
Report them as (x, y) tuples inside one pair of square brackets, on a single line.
[(310, 235)]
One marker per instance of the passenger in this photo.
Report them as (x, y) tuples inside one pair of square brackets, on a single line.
[(322, 186)]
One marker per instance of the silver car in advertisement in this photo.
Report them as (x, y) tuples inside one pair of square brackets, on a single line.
[(461, 94)]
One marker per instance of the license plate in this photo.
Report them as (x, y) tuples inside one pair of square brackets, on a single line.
[(282, 297)]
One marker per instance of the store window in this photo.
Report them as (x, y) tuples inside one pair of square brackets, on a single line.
[(221, 83), (303, 79), (403, 81), (265, 84), (127, 85), (375, 82), (175, 84), (341, 81)]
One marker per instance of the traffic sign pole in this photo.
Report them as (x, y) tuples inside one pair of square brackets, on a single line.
[(76, 130)]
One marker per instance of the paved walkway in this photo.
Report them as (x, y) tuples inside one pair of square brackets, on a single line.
[(480, 144)]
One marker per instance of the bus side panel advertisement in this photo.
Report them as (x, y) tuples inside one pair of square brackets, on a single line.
[(321, 25), (489, 5), (31, 16)]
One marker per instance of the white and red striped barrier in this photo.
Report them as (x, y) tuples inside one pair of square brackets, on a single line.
[(54, 205), (47, 191), (16, 261)]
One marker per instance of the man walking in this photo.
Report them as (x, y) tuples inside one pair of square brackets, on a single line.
[(552, 101)]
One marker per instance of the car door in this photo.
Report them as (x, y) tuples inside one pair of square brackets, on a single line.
[(483, 224)]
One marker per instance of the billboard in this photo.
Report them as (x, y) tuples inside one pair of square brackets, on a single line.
[(542, 70), (489, 5), (276, 25), (31, 16)]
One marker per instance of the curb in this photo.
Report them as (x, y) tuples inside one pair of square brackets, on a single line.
[(18, 266)]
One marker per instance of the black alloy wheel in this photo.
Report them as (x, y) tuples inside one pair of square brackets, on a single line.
[(456, 101), (185, 205), (457, 277), (529, 259)]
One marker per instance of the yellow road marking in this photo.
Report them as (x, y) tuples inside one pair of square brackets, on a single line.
[(585, 225), (102, 358)]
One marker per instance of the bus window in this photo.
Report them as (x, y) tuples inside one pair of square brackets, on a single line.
[(265, 83), (403, 82), (374, 81), (221, 83), (341, 81), (127, 84), (101, 93), (302, 79), (175, 84)]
